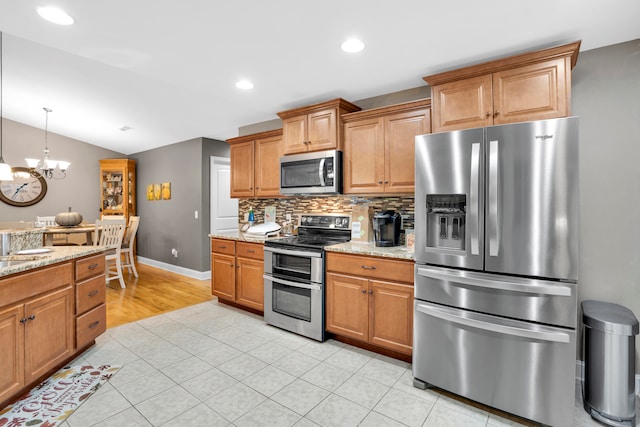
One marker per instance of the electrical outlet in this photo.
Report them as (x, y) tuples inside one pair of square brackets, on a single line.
[(174, 252), (288, 217), (246, 216)]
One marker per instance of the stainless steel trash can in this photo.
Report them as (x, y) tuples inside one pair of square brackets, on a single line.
[(609, 362)]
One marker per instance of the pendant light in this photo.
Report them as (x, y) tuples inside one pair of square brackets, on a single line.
[(5, 169), (46, 167)]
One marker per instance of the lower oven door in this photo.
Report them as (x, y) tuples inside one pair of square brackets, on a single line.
[(519, 367), (294, 306)]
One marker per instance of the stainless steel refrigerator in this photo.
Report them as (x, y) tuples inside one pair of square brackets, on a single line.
[(496, 248)]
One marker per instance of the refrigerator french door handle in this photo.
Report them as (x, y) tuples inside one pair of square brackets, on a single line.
[(474, 217), (493, 220), (492, 282), (321, 172), (429, 310)]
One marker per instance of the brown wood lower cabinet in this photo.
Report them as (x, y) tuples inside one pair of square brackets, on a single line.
[(236, 272), (36, 326), (43, 320), (370, 299)]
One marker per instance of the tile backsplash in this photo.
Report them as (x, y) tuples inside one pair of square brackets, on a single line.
[(327, 204)]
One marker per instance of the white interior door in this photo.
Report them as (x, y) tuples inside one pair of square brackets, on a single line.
[(224, 209)]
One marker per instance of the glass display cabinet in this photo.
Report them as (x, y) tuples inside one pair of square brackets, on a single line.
[(118, 187)]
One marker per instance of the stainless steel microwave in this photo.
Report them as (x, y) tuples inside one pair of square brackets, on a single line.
[(311, 173)]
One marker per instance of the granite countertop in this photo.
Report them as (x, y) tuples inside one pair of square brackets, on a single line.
[(56, 255), (242, 237), (356, 248), (370, 249)]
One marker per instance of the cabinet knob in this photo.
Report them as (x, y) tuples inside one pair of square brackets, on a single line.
[(32, 317), (497, 113), (386, 182), (364, 291), (23, 320), (380, 182), (488, 114), (370, 292)]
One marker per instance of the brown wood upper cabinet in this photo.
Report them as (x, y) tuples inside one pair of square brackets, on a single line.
[(525, 87), (255, 164), (379, 147), (316, 127)]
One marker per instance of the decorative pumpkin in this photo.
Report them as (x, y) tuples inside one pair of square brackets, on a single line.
[(68, 219)]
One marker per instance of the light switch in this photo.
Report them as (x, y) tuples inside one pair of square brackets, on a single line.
[(196, 214)]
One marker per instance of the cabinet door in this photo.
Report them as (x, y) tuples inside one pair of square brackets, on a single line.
[(322, 132), (347, 306), (223, 277), (535, 92), (12, 345), (400, 132), (294, 135), (242, 169), (267, 166), (462, 104), (250, 283), (49, 332), (364, 162), (391, 315)]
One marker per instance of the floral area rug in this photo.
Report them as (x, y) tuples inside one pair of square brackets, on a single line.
[(51, 402)]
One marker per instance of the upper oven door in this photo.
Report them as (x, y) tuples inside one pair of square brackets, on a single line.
[(297, 264), (311, 173)]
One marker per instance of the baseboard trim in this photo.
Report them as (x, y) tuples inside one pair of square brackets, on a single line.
[(580, 376), (200, 275)]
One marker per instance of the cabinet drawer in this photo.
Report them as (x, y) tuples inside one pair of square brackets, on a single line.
[(250, 250), (371, 267), (88, 267), (26, 285), (222, 246), (90, 293), (90, 325)]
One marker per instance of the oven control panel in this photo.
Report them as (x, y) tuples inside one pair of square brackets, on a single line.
[(335, 221)]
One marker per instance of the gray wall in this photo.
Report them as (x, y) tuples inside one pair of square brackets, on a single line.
[(80, 189), (606, 96), (168, 224)]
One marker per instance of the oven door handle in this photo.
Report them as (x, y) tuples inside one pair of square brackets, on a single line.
[(445, 315), (293, 253), (292, 284)]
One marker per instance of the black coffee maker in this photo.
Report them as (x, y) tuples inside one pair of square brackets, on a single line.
[(386, 228)]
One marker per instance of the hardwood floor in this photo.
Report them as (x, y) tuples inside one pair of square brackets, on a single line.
[(155, 291)]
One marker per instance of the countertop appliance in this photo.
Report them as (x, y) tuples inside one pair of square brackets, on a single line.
[(311, 173), (386, 228), (294, 267), (496, 248)]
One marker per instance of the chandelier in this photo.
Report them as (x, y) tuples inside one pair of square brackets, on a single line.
[(46, 167)]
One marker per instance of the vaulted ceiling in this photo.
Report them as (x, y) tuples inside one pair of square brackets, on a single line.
[(167, 69)]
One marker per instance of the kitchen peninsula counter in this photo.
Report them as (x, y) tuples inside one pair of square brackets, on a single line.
[(241, 237), (370, 249), (57, 254)]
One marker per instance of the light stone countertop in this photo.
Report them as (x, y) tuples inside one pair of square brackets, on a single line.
[(355, 248), (57, 254), (370, 249)]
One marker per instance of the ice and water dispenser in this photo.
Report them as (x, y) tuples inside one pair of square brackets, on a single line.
[(446, 214)]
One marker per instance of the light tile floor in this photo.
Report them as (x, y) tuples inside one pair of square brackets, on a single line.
[(213, 365)]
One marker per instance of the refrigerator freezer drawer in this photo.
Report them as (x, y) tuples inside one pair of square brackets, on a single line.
[(535, 300), (518, 367)]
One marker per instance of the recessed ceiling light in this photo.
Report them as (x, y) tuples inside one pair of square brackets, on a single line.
[(352, 46), (55, 15), (244, 84)]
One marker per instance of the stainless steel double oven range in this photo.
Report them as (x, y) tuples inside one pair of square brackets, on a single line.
[(294, 267)]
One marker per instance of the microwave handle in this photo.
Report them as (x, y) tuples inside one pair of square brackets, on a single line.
[(321, 171)]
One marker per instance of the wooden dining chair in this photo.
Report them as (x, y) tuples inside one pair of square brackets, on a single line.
[(110, 233), (129, 243)]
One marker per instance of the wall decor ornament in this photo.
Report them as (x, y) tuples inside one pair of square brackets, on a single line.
[(166, 190)]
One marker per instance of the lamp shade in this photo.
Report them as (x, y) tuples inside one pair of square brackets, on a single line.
[(5, 172)]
